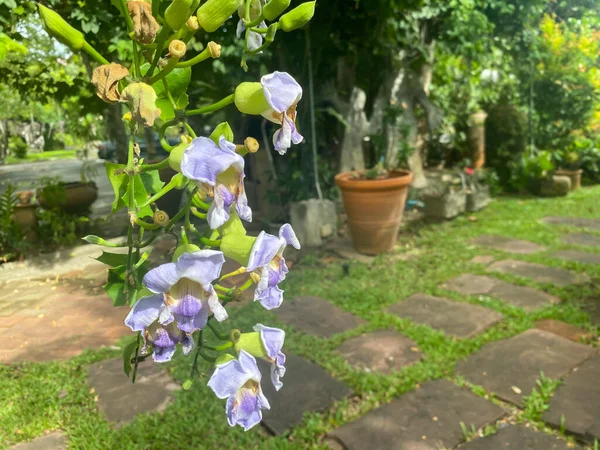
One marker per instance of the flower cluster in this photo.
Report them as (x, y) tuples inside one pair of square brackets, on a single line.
[(172, 305)]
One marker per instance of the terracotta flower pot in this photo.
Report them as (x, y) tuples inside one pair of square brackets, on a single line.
[(574, 175), (78, 197), (374, 209)]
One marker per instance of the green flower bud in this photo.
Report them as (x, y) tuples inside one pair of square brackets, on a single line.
[(185, 248), (252, 343), (250, 99), (176, 155), (160, 218), (179, 11), (214, 13), (274, 8), (237, 247), (59, 29), (297, 17)]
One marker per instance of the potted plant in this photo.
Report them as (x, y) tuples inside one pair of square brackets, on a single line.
[(72, 197), (478, 191), (24, 214), (569, 161), (374, 201), (536, 174), (445, 196)]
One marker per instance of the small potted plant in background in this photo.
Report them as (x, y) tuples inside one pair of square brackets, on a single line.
[(72, 197), (536, 175), (569, 161)]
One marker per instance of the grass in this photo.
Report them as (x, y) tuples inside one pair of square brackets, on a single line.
[(29, 393), (43, 156)]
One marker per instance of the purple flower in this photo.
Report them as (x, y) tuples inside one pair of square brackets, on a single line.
[(144, 316), (272, 340), (255, 40), (238, 381), (267, 265), (219, 171), (283, 94), (185, 293)]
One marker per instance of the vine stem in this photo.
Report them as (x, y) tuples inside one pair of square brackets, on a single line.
[(163, 34), (211, 108)]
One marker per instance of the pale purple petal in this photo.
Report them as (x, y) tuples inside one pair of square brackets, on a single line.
[(270, 298), (202, 266), (281, 90), (278, 371), (187, 344), (265, 248), (255, 40), (166, 317), (286, 232), (201, 319), (163, 354), (218, 212), (272, 339), (240, 29), (282, 139), (244, 409), (164, 345), (145, 311), (215, 305), (243, 210), (203, 160), (160, 279), (229, 377)]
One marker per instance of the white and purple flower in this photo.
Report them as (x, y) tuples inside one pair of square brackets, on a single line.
[(219, 171), (283, 94), (267, 265), (144, 317), (255, 40), (272, 341), (238, 381)]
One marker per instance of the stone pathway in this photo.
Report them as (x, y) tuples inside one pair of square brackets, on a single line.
[(51, 441), (510, 367), (582, 239), (518, 437), (563, 329), (576, 403), (316, 316), (461, 320), (519, 296), (579, 222), (577, 256), (380, 351), (428, 418), (307, 387), (508, 244), (539, 272)]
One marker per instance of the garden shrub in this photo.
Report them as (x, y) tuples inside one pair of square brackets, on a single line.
[(18, 146)]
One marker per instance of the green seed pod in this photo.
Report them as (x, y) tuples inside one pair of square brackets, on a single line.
[(185, 248), (59, 29), (274, 8), (297, 17), (214, 13), (179, 11), (249, 98)]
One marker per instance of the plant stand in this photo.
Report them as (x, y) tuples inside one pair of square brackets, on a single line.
[(478, 199), (445, 206)]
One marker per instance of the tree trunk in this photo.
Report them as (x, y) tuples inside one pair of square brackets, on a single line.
[(116, 131)]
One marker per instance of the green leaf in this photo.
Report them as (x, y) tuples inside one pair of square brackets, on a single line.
[(152, 182), (223, 129), (113, 259), (166, 110), (177, 81), (117, 4), (128, 353), (115, 286), (118, 183), (93, 239)]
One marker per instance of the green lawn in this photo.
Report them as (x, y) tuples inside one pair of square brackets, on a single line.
[(44, 156), (29, 393)]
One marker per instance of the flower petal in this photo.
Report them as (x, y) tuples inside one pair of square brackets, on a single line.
[(229, 377), (282, 139), (286, 232), (270, 298), (163, 354), (240, 29), (218, 212), (265, 248), (161, 278), (272, 339), (145, 311), (203, 160), (202, 266), (242, 208), (281, 90), (187, 343), (215, 305)]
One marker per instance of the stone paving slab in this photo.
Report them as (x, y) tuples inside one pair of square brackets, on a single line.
[(52, 441), (577, 256), (519, 296), (345, 250), (539, 272), (484, 260), (508, 244), (581, 239), (578, 400), (518, 438), (316, 316), (120, 400), (581, 222), (306, 387), (462, 320), (427, 418), (562, 329), (380, 351), (513, 365)]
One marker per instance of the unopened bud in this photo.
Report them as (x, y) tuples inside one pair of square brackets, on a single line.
[(177, 49), (251, 145), (214, 13), (106, 79), (274, 8), (235, 335), (59, 29), (145, 25), (178, 12), (237, 295), (249, 98), (176, 155), (160, 218), (142, 102), (192, 24), (214, 49), (297, 17)]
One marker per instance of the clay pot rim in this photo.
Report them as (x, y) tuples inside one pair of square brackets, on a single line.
[(398, 179), (568, 172)]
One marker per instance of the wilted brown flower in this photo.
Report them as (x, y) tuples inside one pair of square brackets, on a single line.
[(145, 25), (106, 79), (142, 102)]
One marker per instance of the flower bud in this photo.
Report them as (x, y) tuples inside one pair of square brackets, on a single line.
[(297, 17), (274, 8), (192, 24), (106, 79), (59, 29), (185, 248), (145, 25), (179, 11), (176, 155), (142, 102), (254, 9), (214, 13), (237, 247), (214, 49), (249, 98), (252, 343), (177, 49), (251, 145), (160, 218)]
